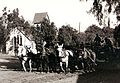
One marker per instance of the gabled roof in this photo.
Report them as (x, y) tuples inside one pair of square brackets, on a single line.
[(39, 17), (29, 37)]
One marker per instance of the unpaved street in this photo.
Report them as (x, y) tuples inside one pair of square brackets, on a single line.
[(22, 77), (10, 72)]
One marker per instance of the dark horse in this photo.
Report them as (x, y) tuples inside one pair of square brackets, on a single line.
[(44, 62), (87, 58), (52, 58)]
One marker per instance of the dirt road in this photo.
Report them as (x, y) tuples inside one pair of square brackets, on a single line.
[(22, 77), (10, 72)]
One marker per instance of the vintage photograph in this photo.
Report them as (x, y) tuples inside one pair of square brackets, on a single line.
[(59, 41)]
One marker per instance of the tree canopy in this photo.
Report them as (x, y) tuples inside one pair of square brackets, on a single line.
[(69, 36), (8, 21), (91, 32), (117, 34), (97, 8), (45, 32)]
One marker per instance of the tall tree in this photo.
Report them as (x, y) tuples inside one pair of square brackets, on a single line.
[(68, 36), (2, 37), (91, 31), (99, 11), (45, 32), (8, 21), (108, 32), (116, 34), (48, 30)]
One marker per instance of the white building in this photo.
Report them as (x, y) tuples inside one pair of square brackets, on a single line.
[(17, 36)]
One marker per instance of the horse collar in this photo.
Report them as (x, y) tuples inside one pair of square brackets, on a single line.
[(63, 53)]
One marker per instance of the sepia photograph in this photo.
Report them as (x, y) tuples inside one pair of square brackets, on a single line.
[(59, 41)]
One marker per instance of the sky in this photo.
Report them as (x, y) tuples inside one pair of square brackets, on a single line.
[(61, 12)]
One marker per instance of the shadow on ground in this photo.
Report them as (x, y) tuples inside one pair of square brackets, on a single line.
[(10, 62), (100, 76), (105, 73)]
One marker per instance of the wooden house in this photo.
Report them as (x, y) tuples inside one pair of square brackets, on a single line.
[(17, 36)]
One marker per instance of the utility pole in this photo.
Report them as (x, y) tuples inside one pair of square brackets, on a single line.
[(79, 27)]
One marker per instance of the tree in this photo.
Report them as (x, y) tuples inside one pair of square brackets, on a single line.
[(27, 28), (68, 36), (64, 35), (38, 38), (14, 20), (108, 32), (45, 32), (97, 8), (116, 31), (91, 31), (2, 37), (48, 31), (81, 37), (117, 34), (10, 20)]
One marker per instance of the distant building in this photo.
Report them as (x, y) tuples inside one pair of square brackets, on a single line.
[(17, 36), (39, 17)]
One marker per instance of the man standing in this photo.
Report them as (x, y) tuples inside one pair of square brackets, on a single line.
[(108, 44), (97, 40)]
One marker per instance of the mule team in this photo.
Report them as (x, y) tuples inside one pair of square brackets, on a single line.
[(56, 58)]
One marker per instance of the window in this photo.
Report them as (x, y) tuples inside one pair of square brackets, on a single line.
[(20, 40), (14, 41)]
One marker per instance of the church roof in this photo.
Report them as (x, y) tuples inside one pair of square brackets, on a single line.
[(39, 17)]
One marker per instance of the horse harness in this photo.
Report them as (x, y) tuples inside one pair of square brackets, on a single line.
[(63, 53), (23, 55)]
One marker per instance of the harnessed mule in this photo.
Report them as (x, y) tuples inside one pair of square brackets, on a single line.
[(88, 57), (24, 56), (44, 65), (63, 56)]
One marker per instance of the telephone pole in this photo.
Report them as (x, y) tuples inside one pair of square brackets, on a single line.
[(79, 27)]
